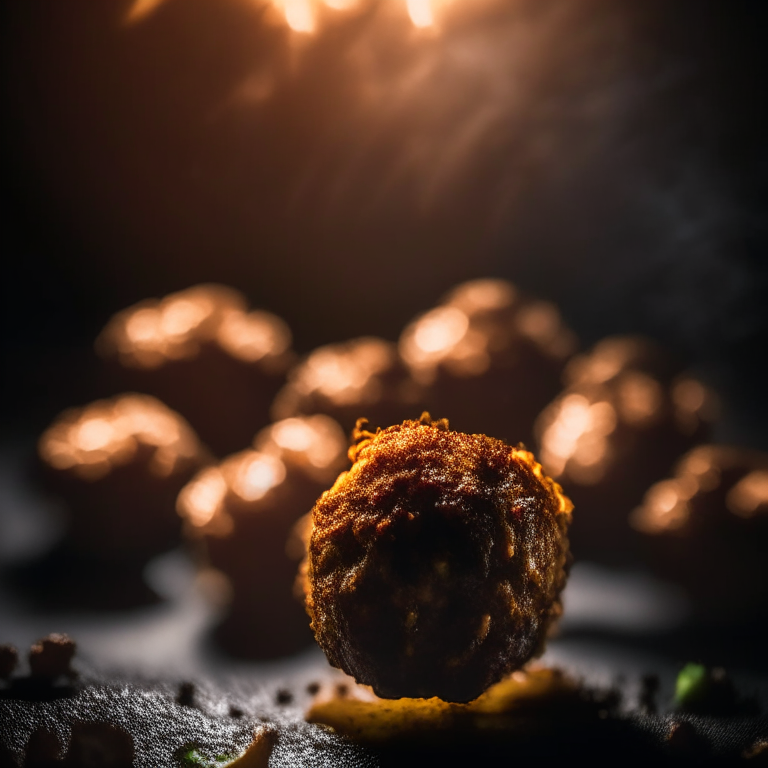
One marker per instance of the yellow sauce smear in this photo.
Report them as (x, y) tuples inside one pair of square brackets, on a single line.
[(258, 752), (505, 705)]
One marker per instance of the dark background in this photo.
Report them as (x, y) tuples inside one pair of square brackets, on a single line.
[(608, 156)]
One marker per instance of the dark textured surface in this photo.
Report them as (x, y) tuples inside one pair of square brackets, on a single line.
[(160, 725), (221, 720)]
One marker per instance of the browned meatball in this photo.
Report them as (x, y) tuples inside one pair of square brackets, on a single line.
[(489, 356), (9, 657), (436, 562), (360, 377), (242, 512), (625, 416), (706, 528), (119, 464), (51, 657), (203, 353)]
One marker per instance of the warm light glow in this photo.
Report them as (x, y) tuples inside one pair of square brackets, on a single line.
[(317, 441), (333, 376), (174, 328), (608, 358), (667, 506), (152, 427), (639, 398), (293, 434), (91, 441), (664, 508), (421, 13), (142, 328), (749, 495), (300, 15), (93, 435), (253, 336), (480, 321), (699, 461), (440, 329), (701, 464), (140, 9), (689, 395), (248, 476), (694, 403), (201, 499), (576, 433), (606, 388), (346, 373), (205, 502), (181, 316), (539, 321), (153, 332), (443, 335), (482, 295), (257, 474)]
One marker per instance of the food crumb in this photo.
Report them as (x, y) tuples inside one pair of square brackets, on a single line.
[(51, 657), (283, 696), (186, 695), (9, 658)]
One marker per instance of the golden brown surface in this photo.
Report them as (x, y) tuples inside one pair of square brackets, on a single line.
[(436, 563)]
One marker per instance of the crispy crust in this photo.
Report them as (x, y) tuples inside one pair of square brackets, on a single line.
[(436, 562)]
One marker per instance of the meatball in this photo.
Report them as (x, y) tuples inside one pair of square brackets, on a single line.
[(242, 513), (706, 528), (206, 355), (50, 657), (627, 413), (490, 356), (360, 377), (119, 464), (436, 562)]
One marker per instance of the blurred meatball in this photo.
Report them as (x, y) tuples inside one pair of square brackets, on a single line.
[(51, 657), (363, 377), (490, 357), (622, 420), (436, 562), (119, 464), (243, 511), (706, 527), (202, 352), (9, 658)]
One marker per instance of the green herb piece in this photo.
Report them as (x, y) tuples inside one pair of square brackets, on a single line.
[(692, 684), (192, 757)]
